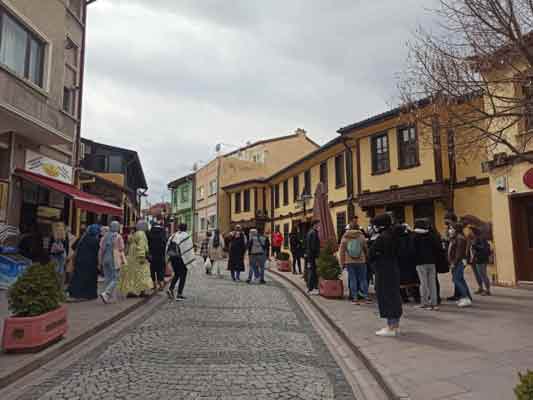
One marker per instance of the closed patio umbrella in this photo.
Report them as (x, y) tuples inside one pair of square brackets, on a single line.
[(321, 213)]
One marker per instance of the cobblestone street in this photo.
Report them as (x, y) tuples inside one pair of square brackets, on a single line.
[(226, 341)]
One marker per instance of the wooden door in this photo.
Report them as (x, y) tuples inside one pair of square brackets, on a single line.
[(522, 209)]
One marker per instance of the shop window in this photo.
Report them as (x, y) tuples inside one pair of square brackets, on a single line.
[(295, 188), (324, 174), (341, 224), (237, 203), (398, 213), (286, 235), (307, 182), (407, 147), (286, 193), (276, 195), (424, 210), (247, 200), (20, 50), (340, 174), (380, 154)]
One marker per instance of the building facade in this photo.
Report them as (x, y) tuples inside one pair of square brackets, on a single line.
[(182, 194), (42, 47), (256, 160)]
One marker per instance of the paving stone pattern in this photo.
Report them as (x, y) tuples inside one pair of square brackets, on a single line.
[(226, 341)]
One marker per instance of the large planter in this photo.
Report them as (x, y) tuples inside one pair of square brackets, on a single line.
[(32, 334), (284, 266), (333, 289)]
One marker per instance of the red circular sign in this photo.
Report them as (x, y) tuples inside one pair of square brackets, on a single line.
[(528, 178)]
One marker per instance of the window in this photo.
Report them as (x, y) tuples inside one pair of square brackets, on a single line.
[(285, 235), (237, 203), (324, 174), (203, 224), (185, 194), (341, 224), (380, 154), (247, 200), (201, 193), (407, 147), (69, 104), (307, 182), (424, 210), (213, 187), (340, 175), (20, 50), (276, 196), (296, 188), (70, 79), (100, 163), (286, 193), (212, 221), (398, 213), (115, 164)]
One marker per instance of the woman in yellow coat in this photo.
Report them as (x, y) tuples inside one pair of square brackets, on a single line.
[(135, 279)]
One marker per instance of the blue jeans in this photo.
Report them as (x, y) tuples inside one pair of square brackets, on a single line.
[(60, 260), (111, 278), (394, 322), (458, 276), (358, 282), (257, 267), (235, 275)]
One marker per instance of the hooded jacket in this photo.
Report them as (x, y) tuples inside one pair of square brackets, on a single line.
[(344, 257)]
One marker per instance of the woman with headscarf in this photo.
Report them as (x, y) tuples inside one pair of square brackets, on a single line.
[(384, 259), (216, 251), (58, 249), (135, 279), (157, 241), (111, 257), (237, 250), (84, 284)]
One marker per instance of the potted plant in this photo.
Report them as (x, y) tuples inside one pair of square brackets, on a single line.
[(524, 390), (283, 262), (39, 317), (329, 272)]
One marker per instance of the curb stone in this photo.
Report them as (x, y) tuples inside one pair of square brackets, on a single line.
[(68, 345), (382, 375)]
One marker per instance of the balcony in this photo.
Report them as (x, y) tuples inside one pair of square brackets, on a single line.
[(26, 111)]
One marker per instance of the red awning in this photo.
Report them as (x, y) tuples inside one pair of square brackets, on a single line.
[(82, 200)]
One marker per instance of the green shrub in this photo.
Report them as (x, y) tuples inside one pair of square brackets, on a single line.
[(524, 390), (328, 267), (283, 256), (36, 292)]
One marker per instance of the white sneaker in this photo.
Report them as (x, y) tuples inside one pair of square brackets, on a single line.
[(386, 332), (466, 302), (104, 297)]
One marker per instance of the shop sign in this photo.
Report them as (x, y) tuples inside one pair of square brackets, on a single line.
[(528, 178), (48, 167)]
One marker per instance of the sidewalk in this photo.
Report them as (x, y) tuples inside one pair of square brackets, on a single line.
[(85, 319), (453, 354)]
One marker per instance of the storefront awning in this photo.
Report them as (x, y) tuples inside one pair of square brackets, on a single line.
[(82, 200)]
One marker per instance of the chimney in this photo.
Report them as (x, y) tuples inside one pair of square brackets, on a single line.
[(300, 132)]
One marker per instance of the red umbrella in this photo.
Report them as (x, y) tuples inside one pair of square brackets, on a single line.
[(321, 213)]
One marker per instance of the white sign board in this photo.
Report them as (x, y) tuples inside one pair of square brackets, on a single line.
[(48, 167)]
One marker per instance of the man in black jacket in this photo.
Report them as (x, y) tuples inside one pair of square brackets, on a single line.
[(313, 251)]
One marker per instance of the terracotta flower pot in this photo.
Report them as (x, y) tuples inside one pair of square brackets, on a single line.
[(32, 334), (333, 289), (284, 266)]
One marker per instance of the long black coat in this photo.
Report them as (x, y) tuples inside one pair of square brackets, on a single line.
[(84, 284), (407, 259), (237, 250), (384, 259), (157, 242)]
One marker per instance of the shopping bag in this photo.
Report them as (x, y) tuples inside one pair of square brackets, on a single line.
[(207, 265)]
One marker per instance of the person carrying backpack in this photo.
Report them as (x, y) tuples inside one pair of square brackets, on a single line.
[(180, 252), (258, 246), (480, 256), (353, 255)]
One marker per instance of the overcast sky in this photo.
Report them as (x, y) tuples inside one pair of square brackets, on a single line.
[(171, 78)]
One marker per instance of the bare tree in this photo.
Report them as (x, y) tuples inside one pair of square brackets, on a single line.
[(474, 70)]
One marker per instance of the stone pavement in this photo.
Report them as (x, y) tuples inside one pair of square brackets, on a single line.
[(453, 354), (226, 341), (82, 317)]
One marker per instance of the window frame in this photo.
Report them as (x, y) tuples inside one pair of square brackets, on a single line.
[(373, 150), (404, 148), (30, 35), (341, 220), (323, 174), (286, 233), (246, 200), (200, 193), (340, 171), (184, 193), (296, 188), (286, 192), (237, 200), (276, 196), (307, 185)]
